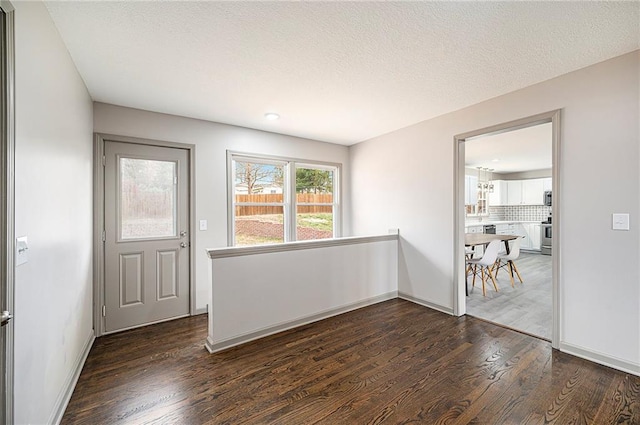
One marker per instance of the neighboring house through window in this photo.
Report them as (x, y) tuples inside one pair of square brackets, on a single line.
[(275, 200)]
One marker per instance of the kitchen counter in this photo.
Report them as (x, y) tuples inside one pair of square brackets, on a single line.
[(529, 230), (484, 223)]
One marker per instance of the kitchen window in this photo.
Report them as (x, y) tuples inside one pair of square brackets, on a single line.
[(274, 200)]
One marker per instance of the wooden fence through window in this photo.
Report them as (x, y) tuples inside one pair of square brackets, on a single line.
[(310, 198)]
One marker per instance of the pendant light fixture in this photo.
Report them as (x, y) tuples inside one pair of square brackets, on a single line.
[(485, 179), (491, 180)]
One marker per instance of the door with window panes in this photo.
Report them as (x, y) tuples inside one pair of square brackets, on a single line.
[(146, 238)]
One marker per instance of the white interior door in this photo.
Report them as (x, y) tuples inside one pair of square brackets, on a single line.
[(146, 234)]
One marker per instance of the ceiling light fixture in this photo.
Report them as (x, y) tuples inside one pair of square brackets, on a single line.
[(271, 116), (485, 179)]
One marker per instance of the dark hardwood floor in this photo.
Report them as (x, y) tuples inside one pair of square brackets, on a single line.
[(394, 362)]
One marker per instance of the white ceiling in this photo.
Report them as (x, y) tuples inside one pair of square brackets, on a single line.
[(340, 72), (520, 150)]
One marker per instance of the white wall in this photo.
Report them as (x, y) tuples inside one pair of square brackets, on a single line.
[(405, 180), (260, 294), (212, 141), (53, 292)]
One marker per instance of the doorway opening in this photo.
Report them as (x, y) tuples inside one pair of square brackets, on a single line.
[(508, 191)]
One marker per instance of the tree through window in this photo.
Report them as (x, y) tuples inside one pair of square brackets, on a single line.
[(278, 200), (259, 202), (314, 203)]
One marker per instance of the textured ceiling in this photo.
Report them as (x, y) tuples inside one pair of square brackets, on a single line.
[(340, 72)]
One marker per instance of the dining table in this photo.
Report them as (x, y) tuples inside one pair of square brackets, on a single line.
[(474, 239)]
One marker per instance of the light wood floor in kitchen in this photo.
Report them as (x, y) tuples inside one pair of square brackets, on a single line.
[(527, 307)]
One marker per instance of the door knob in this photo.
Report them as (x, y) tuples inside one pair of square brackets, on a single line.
[(183, 244), (5, 318), (183, 233)]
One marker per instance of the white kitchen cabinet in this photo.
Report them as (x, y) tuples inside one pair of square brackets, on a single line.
[(525, 192), (532, 192), (529, 233), (534, 233), (475, 229), (505, 229), (525, 240), (499, 195), (514, 192)]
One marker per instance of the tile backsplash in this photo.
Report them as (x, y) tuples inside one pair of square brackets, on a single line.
[(520, 213)]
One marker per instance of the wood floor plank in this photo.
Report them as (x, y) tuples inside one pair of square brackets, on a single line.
[(622, 402), (505, 409), (427, 397), (393, 362), (496, 388)]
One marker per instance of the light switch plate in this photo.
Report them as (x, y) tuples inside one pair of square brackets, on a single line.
[(620, 221), (22, 250), (203, 224)]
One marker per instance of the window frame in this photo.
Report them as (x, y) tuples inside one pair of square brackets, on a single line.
[(289, 191), (334, 204)]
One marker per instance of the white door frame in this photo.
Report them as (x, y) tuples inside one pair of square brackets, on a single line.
[(7, 205), (459, 301), (98, 220)]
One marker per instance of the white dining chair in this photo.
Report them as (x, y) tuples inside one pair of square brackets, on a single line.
[(486, 265), (505, 259), (468, 252)]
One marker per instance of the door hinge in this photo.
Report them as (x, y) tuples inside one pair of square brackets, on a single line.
[(104, 311), (104, 160), (104, 236)]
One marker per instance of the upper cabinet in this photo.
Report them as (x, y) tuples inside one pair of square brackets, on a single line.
[(532, 192), (519, 192), (514, 192), (499, 194)]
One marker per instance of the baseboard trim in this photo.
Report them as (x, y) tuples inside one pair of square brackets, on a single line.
[(242, 339), (198, 311), (601, 358), (70, 384), (424, 303)]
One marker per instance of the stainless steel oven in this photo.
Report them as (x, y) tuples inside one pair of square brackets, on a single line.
[(546, 234), (489, 228)]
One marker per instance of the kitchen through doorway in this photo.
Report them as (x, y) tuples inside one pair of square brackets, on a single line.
[(508, 185)]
